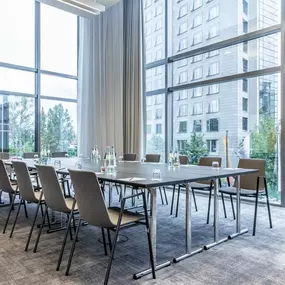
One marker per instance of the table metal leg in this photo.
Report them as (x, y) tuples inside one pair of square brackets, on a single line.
[(238, 222), (216, 218), (188, 229), (153, 227)]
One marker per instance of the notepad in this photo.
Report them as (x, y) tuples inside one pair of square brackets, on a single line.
[(132, 179)]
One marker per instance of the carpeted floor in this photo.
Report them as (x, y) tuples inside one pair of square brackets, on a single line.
[(244, 260)]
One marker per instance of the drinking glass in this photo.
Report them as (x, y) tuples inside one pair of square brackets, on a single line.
[(57, 163), (156, 174), (215, 164)]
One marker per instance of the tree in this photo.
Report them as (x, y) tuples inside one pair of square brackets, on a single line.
[(156, 144), (195, 148)]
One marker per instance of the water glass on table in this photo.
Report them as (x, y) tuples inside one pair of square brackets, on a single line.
[(156, 174), (57, 164)]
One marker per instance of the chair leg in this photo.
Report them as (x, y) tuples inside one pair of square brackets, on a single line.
[(16, 218), (109, 240), (233, 208), (177, 202), (25, 208), (8, 217), (224, 206), (172, 200), (209, 205), (73, 248), (255, 213), (161, 197), (68, 227), (268, 204), (104, 241), (148, 237), (41, 228), (166, 200), (194, 199), (32, 227)]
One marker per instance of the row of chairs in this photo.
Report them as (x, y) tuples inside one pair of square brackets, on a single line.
[(89, 206)]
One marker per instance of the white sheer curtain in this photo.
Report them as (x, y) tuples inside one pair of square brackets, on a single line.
[(100, 82)]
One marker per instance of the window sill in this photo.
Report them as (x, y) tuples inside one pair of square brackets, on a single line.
[(210, 19), (210, 38), (193, 27), (195, 44)]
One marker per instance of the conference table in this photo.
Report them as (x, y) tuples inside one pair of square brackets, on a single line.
[(142, 175)]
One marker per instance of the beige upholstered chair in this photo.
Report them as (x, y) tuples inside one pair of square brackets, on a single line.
[(152, 158), (252, 185), (129, 156), (92, 208), (183, 159), (55, 200), (26, 190), (7, 187)]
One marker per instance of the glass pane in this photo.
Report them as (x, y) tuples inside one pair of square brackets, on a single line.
[(259, 54), (17, 80), (17, 124), (155, 78), (17, 32), (58, 126), (249, 118), (194, 24), (154, 30), (155, 124), (58, 40), (58, 87)]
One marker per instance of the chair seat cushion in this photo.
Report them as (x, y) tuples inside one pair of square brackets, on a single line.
[(243, 192), (128, 217), (69, 203), (200, 185)]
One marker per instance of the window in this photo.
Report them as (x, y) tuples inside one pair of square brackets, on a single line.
[(197, 38), (158, 114), (197, 4), (158, 25), (183, 27), (213, 68), (244, 124), (213, 89), (213, 53), (182, 62), (158, 129), (158, 40), (181, 144), (183, 44), (212, 125), (244, 104), (198, 108), (244, 65), (158, 54), (148, 44), (148, 129), (245, 7), (158, 99), (197, 21), (158, 10), (182, 95), (197, 92), (213, 106), (149, 115), (245, 85), (213, 32), (148, 31), (245, 26), (148, 101), (147, 17), (183, 127), (147, 3), (214, 12), (183, 110), (183, 77), (182, 11), (197, 73), (197, 126), (197, 58), (212, 146), (245, 47)]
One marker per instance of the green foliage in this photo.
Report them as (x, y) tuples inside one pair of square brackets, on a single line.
[(195, 148), (263, 145), (155, 144)]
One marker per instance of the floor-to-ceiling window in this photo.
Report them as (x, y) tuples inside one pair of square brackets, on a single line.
[(38, 78), (215, 67)]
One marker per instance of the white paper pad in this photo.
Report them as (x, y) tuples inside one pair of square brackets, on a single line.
[(132, 179)]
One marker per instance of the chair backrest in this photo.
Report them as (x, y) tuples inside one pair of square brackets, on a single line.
[(152, 158), (30, 154), (249, 181), (4, 155), (183, 159), (208, 160), (89, 198), (59, 154), (129, 157), (5, 183), (24, 181), (52, 191)]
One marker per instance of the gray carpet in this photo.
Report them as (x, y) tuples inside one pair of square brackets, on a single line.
[(244, 260)]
